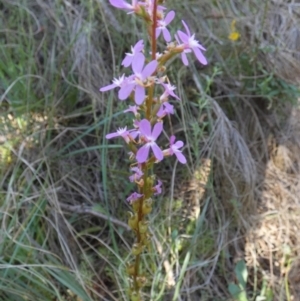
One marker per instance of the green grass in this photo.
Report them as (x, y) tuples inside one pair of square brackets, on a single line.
[(63, 216)]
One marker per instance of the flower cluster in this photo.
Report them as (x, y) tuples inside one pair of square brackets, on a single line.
[(145, 76), (150, 92)]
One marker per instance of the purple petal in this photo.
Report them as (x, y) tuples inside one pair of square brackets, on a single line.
[(167, 35), (133, 197), (133, 109), (176, 38), (183, 37), (169, 17), (186, 28), (169, 108), (161, 8), (200, 47), (119, 4), (157, 32), (160, 112), (125, 91), (107, 88), (158, 154), (143, 153), (181, 158), (201, 58), (149, 69), (140, 94), (145, 127), (157, 130), (134, 134), (138, 63), (179, 144), (172, 139), (184, 59), (139, 46), (173, 94), (127, 61), (112, 135), (157, 187)]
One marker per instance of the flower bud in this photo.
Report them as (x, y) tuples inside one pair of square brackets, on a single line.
[(162, 69), (130, 268), (138, 116), (146, 240), (135, 296), (143, 226), (147, 206), (137, 249), (140, 183), (136, 206), (141, 281), (150, 181), (133, 221)]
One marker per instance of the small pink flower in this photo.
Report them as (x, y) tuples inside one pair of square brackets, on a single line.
[(168, 91), (157, 188), (138, 79), (165, 109), (117, 82), (162, 26), (149, 137), (131, 8), (133, 109), (130, 57), (174, 150), (190, 44), (122, 132), (137, 174), (148, 4), (134, 197)]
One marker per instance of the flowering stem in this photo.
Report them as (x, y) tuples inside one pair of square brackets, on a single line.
[(149, 102), (145, 168), (150, 107), (140, 237), (153, 48)]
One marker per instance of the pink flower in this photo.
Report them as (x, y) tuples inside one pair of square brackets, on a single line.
[(165, 109), (134, 197), (190, 44), (157, 188), (168, 91), (148, 4), (122, 132), (174, 149), (150, 138), (133, 109), (162, 26), (137, 175), (134, 6), (129, 58), (117, 82), (138, 79)]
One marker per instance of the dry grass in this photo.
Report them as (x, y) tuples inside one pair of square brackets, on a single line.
[(62, 209)]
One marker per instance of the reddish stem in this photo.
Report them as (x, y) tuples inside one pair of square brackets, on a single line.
[(154, 21)]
